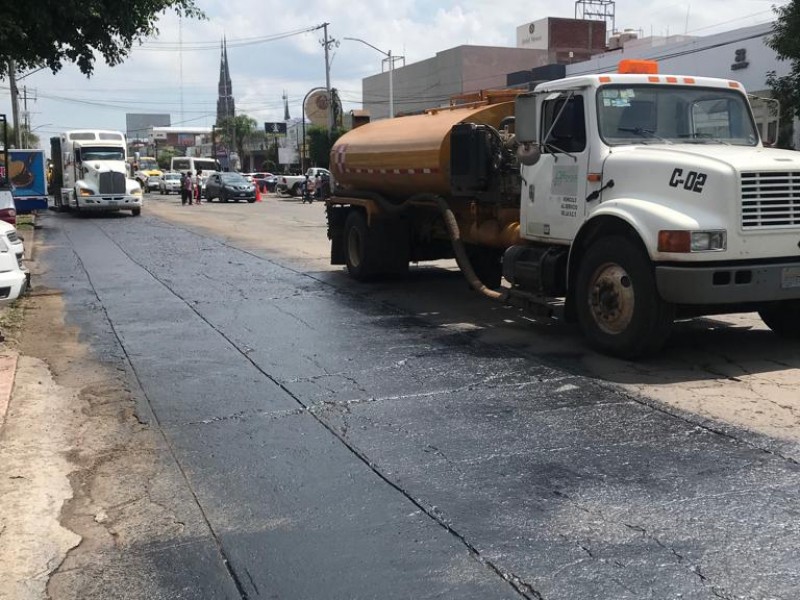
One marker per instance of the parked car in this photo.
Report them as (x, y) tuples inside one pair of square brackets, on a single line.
[(229, 186), (294, 184), (153, 182), (8, 210), (170, 182), (266, 182), (13, 274)]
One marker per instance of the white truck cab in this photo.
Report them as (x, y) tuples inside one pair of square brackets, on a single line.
[(94, 173), (648, 196)]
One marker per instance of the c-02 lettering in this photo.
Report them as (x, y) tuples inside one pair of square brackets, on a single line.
[(693, 181)]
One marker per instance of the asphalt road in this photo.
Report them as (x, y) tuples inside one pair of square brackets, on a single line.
[(339, 446)]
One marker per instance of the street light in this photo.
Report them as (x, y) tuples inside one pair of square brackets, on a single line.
[(391, 60)]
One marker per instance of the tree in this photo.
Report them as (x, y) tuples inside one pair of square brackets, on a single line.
[(164, 157), (30, 140), (78, 31), (238, 131), (320, 144), (785, 40)]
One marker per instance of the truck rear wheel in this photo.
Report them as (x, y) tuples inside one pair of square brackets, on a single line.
[(783, 318), (361, 247), (618, 306)]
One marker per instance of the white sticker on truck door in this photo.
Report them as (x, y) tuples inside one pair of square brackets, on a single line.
[(565, 181)]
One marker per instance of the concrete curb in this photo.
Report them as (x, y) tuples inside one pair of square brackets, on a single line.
[(8, 372)]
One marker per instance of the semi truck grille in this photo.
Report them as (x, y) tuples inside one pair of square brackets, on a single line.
[(770, 200), (112, 183)]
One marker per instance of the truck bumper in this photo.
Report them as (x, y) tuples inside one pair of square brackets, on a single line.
[(728, 284), (109, 202)]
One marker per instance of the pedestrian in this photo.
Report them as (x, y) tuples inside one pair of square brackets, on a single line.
[(198, 185), (186, 189), (318, 186)]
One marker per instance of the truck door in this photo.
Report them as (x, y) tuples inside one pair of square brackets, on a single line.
[(553, 204)]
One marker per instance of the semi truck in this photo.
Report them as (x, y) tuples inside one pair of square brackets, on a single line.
[(622, 201), (90, 173)]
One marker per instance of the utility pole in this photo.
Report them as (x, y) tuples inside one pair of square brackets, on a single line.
[(25, 118), (327, 43), (12, 84)]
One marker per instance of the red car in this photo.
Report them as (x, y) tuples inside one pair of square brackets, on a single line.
[(8, 210)]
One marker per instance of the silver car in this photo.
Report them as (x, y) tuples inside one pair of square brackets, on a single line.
[(170, 182)]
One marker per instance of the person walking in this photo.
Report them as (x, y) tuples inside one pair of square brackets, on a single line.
[(186, 189), (198, 186)]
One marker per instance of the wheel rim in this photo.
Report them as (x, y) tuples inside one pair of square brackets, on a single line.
[(611, 298), (354, 247)]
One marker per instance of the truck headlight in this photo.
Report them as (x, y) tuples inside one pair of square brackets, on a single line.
[(709, 241), (85, 192), (715, 240), (136, 192)]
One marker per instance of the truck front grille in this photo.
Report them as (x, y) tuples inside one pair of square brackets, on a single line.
[(112, 183), (770, 199)]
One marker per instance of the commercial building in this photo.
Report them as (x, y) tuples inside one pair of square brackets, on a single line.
[(552, 48)]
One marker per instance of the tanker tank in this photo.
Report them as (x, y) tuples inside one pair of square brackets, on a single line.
[(400, 157)]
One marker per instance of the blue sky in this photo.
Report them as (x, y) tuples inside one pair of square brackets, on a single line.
[(160, 78)]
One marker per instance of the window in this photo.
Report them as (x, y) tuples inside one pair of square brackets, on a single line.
[(563, 118), (658, 114), (102, 153)]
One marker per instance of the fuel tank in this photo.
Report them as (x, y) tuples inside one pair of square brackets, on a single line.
[(407, 155)]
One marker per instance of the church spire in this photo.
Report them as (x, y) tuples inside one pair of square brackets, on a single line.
[(225, 103)]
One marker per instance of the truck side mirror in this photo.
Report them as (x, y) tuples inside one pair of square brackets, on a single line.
[(525, 119)]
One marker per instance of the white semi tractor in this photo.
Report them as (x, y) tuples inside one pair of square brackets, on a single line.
[(90, 172)]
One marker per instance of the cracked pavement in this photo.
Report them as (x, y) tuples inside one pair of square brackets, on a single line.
[(341, 445)]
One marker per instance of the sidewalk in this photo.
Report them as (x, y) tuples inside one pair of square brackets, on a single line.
[(9, 358)]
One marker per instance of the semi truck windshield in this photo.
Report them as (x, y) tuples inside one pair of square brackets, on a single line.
[(102, 153)]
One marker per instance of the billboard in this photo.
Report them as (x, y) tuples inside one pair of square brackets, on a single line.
[(534, 35), (186, 139)]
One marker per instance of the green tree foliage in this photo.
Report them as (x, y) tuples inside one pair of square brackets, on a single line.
[(238, 131), (785, 40), (164, 157), (30, 140), (320, 144), (49, 33)]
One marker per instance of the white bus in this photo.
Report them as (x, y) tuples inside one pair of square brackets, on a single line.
[(194, 164)]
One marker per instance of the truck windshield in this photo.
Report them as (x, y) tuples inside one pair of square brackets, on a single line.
[(102, 153), (653, 114)]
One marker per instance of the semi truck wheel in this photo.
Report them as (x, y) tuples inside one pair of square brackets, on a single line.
[(783, 318), (361, 247), (136, 211), (618, 306)]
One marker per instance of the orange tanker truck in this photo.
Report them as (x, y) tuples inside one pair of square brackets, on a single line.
[(620, 200)]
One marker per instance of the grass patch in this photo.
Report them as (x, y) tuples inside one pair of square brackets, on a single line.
[(25, 221), (11, 320)]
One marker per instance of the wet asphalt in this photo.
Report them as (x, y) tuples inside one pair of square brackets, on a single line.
[(339, 448)]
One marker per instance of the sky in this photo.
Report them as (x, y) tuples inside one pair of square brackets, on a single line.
[(271, 52)]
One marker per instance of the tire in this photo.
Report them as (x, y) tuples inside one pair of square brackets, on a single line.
[(251, 200), (136, 211), (295, 191), (361, 248), (783, 318), (617, 302)]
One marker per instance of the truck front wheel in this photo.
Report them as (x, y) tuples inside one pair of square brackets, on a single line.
[(783, 318), (618, 306), (361, 254)]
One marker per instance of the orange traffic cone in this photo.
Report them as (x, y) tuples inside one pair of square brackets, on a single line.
[(258, 192)]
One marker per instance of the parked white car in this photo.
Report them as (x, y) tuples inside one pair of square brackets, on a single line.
[(13, 274), (170, 182)]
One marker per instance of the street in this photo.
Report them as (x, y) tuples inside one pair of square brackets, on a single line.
[(295, 434)]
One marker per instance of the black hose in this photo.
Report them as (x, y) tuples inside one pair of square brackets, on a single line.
[(461, 253)]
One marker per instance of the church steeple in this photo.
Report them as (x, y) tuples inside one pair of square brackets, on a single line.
[(225, 102)]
